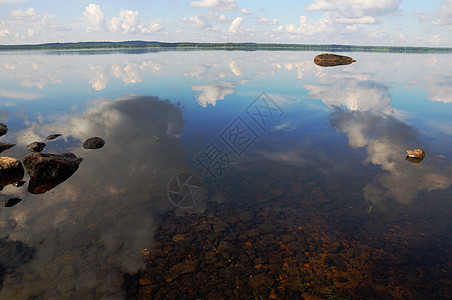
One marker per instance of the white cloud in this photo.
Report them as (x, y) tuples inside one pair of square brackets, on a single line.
[(196, 21), (218, 18), (13, 1), (236, 25), (203, 20), (95, 16), (216, 4), (306, 27), (126, 22), (246, 12), (354, 11), (31, 32), (29, 14), (264, 21), (5, 33), (444, 14), (151, 28)]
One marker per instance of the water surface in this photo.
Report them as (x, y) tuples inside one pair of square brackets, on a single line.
[(300, 183)]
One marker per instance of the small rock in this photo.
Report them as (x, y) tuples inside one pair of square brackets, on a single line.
[(225, 246), (287, 238), (245, 216), (36, 147), (4, 147), (52, 136), (336, 260), (335, 247), (3, 129), (183, 268), (94, 143), (415, 153), (415, 156), (11, 202)]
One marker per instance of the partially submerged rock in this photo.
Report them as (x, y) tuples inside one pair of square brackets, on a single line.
[(52, 136), (11, 202), (36, 147), (94, 143), (416, 155), (49, 170), (11, 170), (331, 60), (4, 147), (3, 129)]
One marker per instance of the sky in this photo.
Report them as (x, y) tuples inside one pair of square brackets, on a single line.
[(355, 22)]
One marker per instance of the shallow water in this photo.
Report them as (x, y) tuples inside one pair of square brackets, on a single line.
[(230, 174)]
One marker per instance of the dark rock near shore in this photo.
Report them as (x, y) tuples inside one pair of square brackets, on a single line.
[(3, 129), (11, 202), (36, 147), (4, 147), (11, 170), (49, 170), (94, 143), (331, 60)]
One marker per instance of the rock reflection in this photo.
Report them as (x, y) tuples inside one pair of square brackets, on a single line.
[(92, 228)]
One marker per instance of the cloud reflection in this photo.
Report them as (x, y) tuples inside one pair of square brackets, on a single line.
[(210, 94), (92, 228), (386, 139)]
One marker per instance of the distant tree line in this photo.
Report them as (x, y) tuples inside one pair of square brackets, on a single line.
[(159, 46)]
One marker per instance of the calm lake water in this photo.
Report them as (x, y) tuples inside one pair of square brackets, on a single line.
[(246, 175)]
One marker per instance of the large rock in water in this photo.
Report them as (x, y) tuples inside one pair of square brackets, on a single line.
[(3, 129), (331, 60), (49, 170), (11, 171)]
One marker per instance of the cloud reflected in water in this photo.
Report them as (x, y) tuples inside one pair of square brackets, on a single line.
[(92, 228)]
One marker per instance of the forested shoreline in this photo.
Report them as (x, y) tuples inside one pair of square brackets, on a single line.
[(222, 46)]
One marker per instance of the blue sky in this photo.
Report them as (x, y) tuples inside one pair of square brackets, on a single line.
[(359, 22)]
